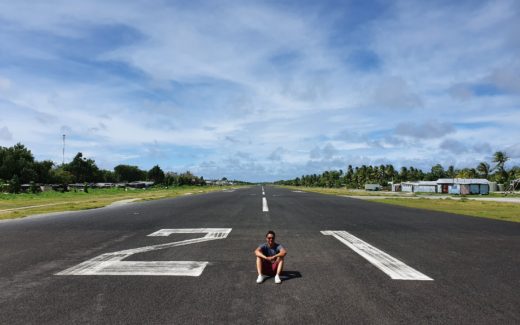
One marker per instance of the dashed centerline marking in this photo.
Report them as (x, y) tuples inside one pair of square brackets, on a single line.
[(264, 205), (394, 268)]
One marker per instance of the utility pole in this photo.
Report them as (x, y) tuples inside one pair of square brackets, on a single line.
[(63, 162)]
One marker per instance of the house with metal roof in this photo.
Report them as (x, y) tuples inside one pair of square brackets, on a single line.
[(463, 186), (419, 187)]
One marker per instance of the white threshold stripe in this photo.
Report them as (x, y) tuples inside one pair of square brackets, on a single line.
[(393, 267), (264, 205), (156, 268)]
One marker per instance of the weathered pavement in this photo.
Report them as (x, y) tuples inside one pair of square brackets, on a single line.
[(474, 264)]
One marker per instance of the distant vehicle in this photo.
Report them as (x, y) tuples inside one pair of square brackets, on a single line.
[(373, 187)]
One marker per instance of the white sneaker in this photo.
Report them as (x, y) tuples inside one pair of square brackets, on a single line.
[(277, 279), (260, 278)]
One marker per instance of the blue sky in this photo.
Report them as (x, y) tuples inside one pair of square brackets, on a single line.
[(262, 90)]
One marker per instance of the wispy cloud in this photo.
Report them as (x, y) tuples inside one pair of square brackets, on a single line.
[(427, 130), (5, 134)]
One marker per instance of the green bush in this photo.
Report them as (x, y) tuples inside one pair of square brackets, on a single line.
[(14, 185)]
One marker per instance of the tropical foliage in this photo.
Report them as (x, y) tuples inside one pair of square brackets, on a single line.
[(357, 177), (18, 166)]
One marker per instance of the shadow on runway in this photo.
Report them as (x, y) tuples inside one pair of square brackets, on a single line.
[(289, 275)]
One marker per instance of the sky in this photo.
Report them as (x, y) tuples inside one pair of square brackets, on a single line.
[(262, 90)]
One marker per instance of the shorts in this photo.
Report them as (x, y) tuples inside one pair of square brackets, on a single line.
[(269, 268)]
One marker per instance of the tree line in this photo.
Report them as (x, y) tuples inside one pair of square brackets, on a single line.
[(357, 177), (18, 166)]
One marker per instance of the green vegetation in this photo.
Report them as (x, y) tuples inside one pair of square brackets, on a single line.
[(18, 166), (21, 205), (357, 177), (483, 209)]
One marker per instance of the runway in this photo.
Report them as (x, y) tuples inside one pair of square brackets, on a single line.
[(190, 260)]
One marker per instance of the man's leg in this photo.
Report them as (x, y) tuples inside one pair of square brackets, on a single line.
[(279, 269), (260, 268), (259, 263)]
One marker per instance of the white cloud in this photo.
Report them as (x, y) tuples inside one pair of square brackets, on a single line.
[(5, 134), (277, 154), (395, 93), (426, 130), (326, 152), (506, 78), (513, 151), (5, 84)]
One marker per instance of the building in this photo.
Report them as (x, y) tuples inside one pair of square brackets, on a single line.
[(140, 184), (463, 186), (419, 187)]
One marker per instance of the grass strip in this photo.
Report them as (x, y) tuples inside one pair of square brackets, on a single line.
[(481, 209), (360, 192), (342, 191), (29, 204)]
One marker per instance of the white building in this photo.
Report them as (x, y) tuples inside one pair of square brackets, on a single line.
[(419, 187)]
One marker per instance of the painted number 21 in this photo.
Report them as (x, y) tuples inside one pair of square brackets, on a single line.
[(113, 264)]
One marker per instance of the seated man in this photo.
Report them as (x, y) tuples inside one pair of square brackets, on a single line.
[(269, 259)]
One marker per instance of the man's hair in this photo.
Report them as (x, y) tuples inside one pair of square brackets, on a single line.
[(270, 232)]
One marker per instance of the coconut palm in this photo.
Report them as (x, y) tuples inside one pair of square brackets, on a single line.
[(483, 169), (500, 158)]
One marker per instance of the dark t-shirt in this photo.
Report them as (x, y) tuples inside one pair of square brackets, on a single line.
[(268, 251)]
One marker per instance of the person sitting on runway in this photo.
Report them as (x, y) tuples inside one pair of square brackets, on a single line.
[(269, 259)]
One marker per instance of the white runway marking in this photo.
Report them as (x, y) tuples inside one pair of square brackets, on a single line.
[(394, 268), (113, 264), (297, 191), (264, 205)]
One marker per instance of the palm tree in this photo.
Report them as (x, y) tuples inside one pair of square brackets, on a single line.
[(500, 158), (483, 169), (451, 172)]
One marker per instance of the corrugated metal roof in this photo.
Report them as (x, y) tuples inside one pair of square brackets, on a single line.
[(425, 183), (430, 183), (462, 181)]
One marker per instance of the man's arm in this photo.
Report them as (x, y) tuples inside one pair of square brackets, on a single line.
[(281, 253), (258, 253)]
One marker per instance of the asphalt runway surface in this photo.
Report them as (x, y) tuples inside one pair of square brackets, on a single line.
[(473, 263)]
